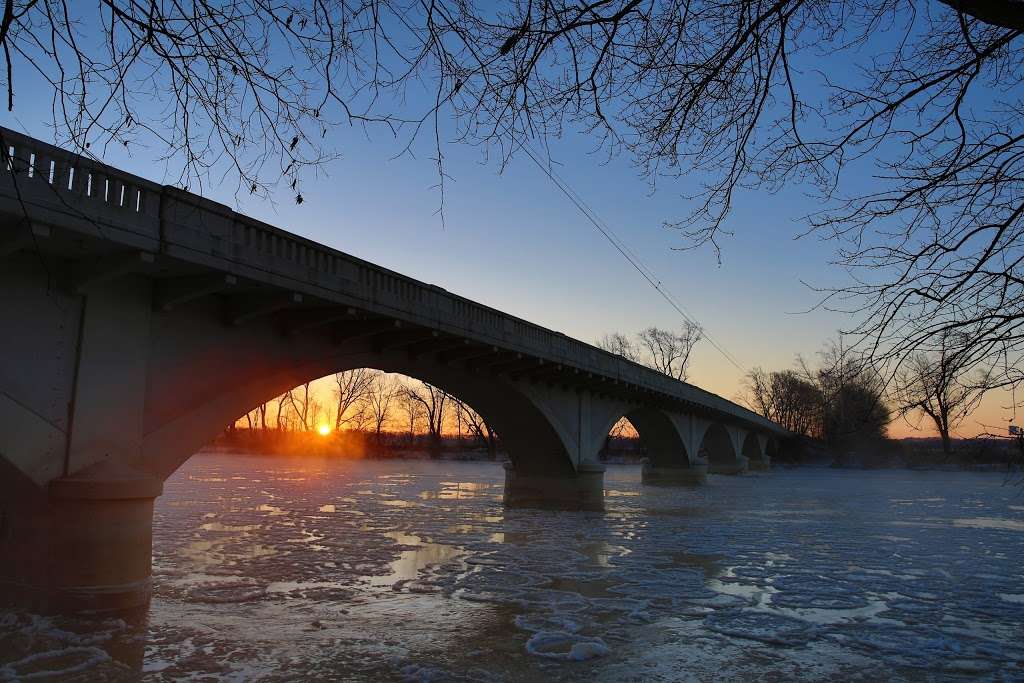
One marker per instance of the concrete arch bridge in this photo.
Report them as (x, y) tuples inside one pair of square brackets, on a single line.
[(140, 320)]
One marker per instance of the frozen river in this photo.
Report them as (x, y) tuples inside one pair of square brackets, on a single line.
[(306, 569)]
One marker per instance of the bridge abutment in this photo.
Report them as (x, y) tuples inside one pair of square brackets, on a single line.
[(82, 546), (579, 490)]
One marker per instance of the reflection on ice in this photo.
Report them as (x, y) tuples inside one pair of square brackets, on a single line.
[(991, 523), (418, 556)]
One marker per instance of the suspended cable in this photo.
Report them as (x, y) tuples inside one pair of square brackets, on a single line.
[(634, 260)]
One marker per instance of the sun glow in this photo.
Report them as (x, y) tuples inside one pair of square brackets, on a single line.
[(324, 430)]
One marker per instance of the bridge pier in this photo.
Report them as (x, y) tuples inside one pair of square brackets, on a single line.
[(580, 490), (82, 546), (736, 465), (654, 475)]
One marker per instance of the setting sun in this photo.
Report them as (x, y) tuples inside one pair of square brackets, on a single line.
[(324, 430)]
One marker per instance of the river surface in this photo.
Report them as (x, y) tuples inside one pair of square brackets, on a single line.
[(270, 568)]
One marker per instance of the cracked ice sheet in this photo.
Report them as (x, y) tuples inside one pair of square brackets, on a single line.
[(272, 569)]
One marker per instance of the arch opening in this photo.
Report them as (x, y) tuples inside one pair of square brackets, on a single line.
[(622, 443), (657, 442), (718, 451), (531, 441), (646, 434), (752, 447), (365, 412)]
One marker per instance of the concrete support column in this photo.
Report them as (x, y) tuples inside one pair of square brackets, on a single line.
[(85, 546), (761, 465), (581, 490), (739, 465), (694, 475)]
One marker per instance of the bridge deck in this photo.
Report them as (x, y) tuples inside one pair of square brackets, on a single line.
[(86, 213)]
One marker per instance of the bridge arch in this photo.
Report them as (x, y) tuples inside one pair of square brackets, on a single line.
[(668, 461), (534, 442), (661, 441), (752, 448), (718, 450)]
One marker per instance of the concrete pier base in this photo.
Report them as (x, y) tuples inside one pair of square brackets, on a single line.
[(737, 466), (758, 465), (583, 490), (82, 547), (694, 475)]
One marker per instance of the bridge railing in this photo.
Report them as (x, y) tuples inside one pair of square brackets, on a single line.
[(94, 198)]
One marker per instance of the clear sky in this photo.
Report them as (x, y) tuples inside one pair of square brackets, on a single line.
[(511, 240)]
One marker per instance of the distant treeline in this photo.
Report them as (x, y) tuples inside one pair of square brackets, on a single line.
[(840, 410), (982, 453), (392, 444)]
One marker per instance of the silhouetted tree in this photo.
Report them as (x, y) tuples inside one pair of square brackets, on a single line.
[(351, 390), (300, 402), (479, 427), (855, 411), (434, 403), (669, 352), (621, 345), (939, 386), (382, 394), (279, 415), (787, 399)]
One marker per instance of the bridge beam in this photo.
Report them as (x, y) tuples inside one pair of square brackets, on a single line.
[(180, 290), (491, 361), (400, 340), (540, 373), (20, 239), (96, 271), (514, 366), (360, 329), (305, 321), (465, 355), (434, 346), (242, 309)]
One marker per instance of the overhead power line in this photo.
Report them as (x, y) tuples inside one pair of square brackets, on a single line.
[(620, 246)]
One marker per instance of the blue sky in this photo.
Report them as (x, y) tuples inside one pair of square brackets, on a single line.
[(511, 240)]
